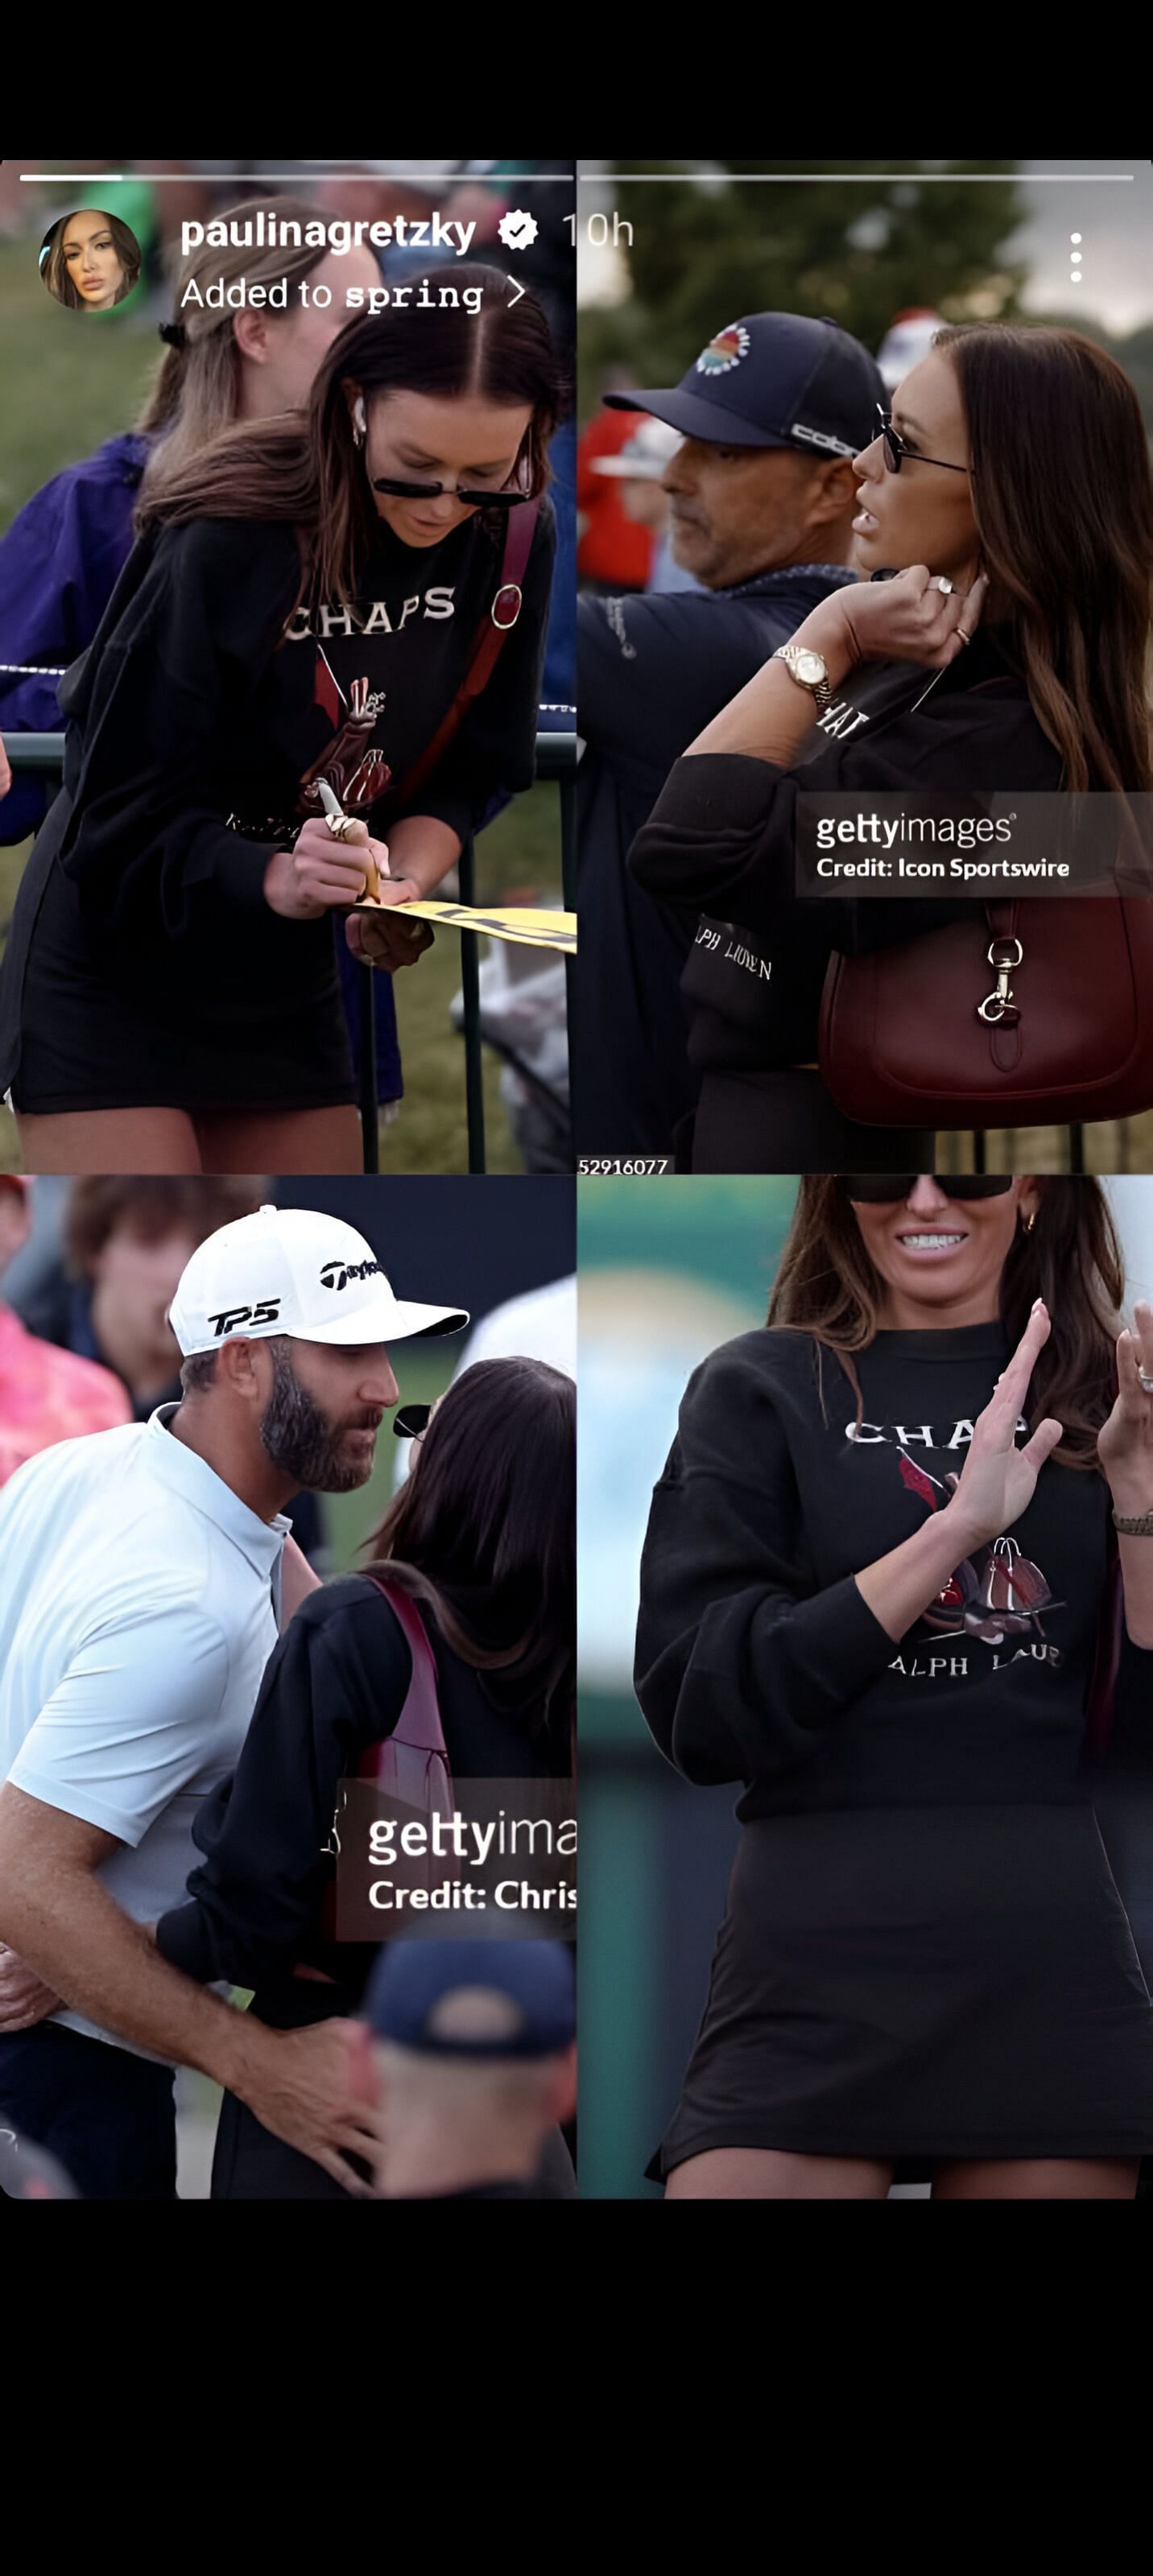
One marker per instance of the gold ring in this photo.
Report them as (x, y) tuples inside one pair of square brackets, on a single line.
[(339, 825)]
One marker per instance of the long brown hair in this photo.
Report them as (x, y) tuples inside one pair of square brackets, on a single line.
[(56, 277), (311, 473), (485, 1528), (1063, 500), (826, 1286), (197, 389)]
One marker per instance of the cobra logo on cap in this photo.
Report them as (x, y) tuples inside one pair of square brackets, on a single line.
[(725, 351)]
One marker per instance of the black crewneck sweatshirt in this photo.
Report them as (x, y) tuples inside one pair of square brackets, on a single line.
[(757, 1657), (206, 699)]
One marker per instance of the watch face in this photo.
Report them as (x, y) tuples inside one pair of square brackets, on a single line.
[(808, 666)]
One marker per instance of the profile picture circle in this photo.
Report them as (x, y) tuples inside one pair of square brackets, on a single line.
[(90, 260)]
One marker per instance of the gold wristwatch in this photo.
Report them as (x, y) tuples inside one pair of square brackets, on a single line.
[(808, 670)]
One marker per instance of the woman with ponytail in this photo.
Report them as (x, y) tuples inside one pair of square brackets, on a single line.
[(882, 1588)]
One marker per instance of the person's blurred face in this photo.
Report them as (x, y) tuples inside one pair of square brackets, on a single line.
[(462, 439), (324, 1411), (737, 511), (941, 1258), (15, 1221), (643, 499), (91, 260), (277, 371), (924, 514), (134, 1280)]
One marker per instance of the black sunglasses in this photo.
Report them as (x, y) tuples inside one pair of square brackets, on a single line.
[(433, 492), (896, 450), (411, 1421), (873, 1189)]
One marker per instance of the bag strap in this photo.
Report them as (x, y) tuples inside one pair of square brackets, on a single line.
[(419, 1723), (418, 1727), (498, 621)]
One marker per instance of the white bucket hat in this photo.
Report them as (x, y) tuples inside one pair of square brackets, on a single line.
[(294, 1271)]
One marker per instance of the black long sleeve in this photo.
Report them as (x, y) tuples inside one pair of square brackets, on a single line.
[(757, 1657), (190, 633), (335, 1683), (721, 838), (741, 1657)]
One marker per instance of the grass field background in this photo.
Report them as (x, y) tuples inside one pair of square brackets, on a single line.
[(72, 380)]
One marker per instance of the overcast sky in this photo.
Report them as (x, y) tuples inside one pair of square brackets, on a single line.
[(1113, 213), (1116, 224)]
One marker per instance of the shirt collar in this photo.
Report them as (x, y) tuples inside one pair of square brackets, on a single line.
[(261, 1542), (786, 576)]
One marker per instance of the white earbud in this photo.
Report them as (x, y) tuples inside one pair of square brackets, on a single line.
[(359, 423)]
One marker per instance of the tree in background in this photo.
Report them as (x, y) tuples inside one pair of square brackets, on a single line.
[(857, 251)]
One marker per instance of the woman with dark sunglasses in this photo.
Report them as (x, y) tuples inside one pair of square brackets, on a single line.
[(997, 643), (879, 1588), (319, 666)]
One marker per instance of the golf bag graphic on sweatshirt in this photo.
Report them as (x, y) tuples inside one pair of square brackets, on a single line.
[(995, 1594)]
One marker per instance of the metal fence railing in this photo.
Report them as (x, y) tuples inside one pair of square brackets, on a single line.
[(556, 758)]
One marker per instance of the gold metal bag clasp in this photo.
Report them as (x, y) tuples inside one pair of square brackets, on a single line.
[(999, 1009)]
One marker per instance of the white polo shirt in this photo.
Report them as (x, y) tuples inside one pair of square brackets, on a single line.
[(139, 1604)]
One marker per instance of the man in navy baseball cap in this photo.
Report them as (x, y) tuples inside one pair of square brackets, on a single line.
[(474, 2044), (773, 380), (771, 413), (761, 501)]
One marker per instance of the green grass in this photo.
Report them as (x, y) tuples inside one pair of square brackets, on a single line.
[(67, 387), (69, 381)]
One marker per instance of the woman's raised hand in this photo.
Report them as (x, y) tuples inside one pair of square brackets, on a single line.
[(1125, 1446), (998, 1479), (323, 874), (908, 619)]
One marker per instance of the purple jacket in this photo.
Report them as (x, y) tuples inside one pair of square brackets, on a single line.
[(59, 564)]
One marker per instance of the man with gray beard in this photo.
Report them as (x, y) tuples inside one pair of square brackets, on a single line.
[(140, 1599)]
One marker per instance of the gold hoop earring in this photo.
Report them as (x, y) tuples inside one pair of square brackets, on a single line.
[(1028, 1222)]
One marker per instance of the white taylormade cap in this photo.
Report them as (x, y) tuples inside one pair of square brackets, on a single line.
[(291, 1270)]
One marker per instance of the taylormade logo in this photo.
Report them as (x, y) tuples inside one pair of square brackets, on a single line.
[(336, 1274)]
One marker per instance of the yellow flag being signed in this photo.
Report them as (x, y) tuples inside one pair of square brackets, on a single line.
[(516, 921)]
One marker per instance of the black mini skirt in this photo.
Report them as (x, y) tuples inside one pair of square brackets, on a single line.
[(251, 1019), (922, 1984)]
